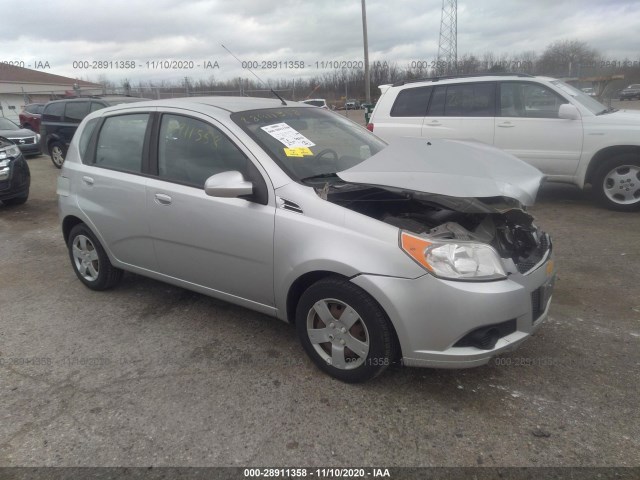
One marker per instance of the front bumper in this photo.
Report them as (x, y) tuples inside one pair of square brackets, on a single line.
[(431, 315), (14, 179)]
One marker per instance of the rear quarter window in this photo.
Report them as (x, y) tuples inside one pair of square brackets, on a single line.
[(411, 102)]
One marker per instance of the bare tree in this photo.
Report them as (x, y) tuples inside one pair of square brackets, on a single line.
[(566, 58)]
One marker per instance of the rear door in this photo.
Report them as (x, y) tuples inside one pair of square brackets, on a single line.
[(461, 111), (528, 127), (111, 190)]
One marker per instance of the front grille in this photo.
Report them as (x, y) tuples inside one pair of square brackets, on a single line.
[(525, 265), (23, 140)]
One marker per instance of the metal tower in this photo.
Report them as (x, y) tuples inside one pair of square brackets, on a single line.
[(448, 43)]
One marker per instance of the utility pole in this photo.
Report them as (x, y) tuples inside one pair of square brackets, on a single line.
[(367, 82)]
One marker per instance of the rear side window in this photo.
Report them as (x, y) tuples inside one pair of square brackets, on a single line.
[(121, 142), (411, 102), (53, 112), (35, 109), (76, 111), (470, 100), (190, 151)]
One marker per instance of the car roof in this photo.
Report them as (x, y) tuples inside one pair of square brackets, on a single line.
[(488, 77), (313, 100), (107, 99), (230, 104)]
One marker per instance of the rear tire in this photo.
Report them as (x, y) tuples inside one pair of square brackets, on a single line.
[(56, 150), (616, 183), (89, 260), (344, 330)]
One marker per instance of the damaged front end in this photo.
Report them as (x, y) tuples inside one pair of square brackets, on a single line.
[(453, 238)]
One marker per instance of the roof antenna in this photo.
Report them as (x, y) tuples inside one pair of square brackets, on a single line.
[(259, 79)]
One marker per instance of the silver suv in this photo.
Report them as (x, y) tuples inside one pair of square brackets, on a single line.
[(565, 133), (376, 253)]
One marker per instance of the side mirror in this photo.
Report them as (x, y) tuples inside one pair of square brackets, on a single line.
[(568, 112), (227, 185)]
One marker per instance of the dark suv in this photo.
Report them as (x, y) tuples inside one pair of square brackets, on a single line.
[(30, 116), (60, 119)]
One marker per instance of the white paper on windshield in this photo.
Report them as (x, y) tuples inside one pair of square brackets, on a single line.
[(288, 136)]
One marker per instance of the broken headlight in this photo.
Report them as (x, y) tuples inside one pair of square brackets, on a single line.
[(454, 259)]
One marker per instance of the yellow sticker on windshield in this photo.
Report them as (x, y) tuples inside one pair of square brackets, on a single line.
[(297, 152)]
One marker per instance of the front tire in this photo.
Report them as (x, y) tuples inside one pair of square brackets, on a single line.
[(17, 200), (344, 330), (56, 150), (89, 260), (617, 183)]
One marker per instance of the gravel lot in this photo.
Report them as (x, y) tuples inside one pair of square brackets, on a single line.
[(149, 374)]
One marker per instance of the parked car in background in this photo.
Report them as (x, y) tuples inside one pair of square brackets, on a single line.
[(589, 91), (631, 92), (26, 140), (317, 102), (566, 134), (15, 177), (352, 105), (421, 251), (31, 115), (60, 119)]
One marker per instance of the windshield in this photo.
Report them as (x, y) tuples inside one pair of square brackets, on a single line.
[(585, 100), (7, 125), (309, 142)]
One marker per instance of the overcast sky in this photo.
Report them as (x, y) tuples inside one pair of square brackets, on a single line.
[(297, 30)]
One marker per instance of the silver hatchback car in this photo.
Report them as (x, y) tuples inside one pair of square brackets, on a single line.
[(418, 252)]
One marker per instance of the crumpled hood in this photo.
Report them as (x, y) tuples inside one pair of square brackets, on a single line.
[(457, 168)]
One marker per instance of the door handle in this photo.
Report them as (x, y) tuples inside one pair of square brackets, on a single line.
[(434, 123), (162, 199), (506, 125), (87, 180)]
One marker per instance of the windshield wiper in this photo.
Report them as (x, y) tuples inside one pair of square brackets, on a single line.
[(607, 110), (320, 175)]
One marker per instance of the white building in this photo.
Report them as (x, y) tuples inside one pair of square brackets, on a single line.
[(20, 86)]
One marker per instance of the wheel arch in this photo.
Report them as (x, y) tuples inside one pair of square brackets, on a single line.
[(68, 223), (303, 282), (606, 153), (300, 285)]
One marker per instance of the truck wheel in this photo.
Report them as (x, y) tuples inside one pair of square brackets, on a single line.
[(617, 183)]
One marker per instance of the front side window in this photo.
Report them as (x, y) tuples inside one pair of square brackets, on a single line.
[(121, 142), (531, 100), (190, 151), (76, 111), (412, 102)]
